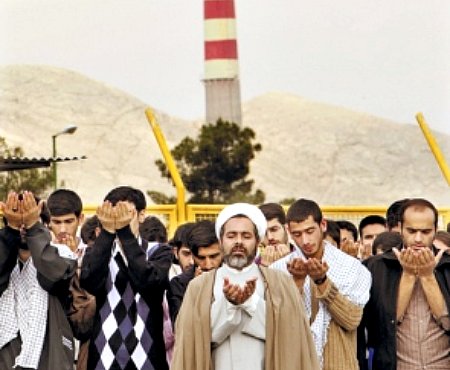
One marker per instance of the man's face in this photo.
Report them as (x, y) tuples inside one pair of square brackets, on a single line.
[(396, 228), (346, 235), (64, 226), (418, 229), (439, 244), (308, 236), (209, 257), (239, 242), (184, 256), (276, 233), (369, 233)]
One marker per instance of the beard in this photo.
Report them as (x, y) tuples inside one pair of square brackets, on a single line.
[(239, 262)]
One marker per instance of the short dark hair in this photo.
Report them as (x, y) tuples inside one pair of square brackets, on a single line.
[(301, 209), (87, 231), (370, 220), (386, 241), (179, 238), (153, 230), (63, 202), (444, 237), (45, 213), (201, 235), (393, 213), (127, 194), (418, 203), (347, 225), (273, 210), (334, 231)]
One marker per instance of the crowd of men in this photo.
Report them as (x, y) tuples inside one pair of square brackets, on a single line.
[(258, 288)]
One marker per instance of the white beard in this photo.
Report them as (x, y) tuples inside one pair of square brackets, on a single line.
[(237, 262)]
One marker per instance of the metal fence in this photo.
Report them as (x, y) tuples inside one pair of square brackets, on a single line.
[(353, 214), (195, 212)]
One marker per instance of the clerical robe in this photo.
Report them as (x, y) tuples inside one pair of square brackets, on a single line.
[(287, 343)]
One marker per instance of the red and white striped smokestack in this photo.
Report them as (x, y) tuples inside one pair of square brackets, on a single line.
[(221, 62), (221, 58)]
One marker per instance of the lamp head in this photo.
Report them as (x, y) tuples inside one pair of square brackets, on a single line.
[(69, 129)]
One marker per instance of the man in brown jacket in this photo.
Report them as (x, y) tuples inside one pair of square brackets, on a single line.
[(242, 316), (335, 286)]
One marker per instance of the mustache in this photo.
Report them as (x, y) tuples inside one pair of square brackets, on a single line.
[(238, 248)]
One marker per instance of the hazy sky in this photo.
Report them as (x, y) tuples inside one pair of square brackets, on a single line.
[(390, 58)]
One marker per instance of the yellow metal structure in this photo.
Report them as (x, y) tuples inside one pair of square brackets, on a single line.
[(434, 147), (159, 136), (174, 215), (167, 213), (196, 212)]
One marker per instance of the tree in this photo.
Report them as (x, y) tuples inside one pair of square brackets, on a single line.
[(287, 201), (161, 198), (215, 165), (36, 180)]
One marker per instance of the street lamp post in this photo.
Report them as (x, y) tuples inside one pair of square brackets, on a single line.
[(68, 130)]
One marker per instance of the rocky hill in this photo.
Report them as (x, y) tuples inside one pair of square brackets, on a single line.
[(327, 153)]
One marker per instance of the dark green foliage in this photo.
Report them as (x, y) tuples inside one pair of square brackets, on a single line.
[(160, 198), (287, 201), (215, 165), (36, 180)]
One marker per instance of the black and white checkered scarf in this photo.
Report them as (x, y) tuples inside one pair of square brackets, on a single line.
[(23, 309)]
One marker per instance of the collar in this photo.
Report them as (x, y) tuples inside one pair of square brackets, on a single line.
[(117, 249), (116, 246)]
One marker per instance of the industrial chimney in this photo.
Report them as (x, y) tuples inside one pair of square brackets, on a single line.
[(222, 88)]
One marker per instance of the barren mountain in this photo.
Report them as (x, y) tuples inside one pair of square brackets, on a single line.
[(327, 153)]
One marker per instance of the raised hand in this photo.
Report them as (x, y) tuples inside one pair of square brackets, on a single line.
[(283, 250), (31, 211), (350, 247), (123, 215), (427, 261), (106, 216), (316, 269), (365, 251), (232, 292), (272, 253), (298, 268), (70, 241), (408, 260), (12, 210), (237, 295), (249, 289), (268, 255)]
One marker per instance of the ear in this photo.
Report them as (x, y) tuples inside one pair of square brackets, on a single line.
[(323, 225), (81, 219)]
